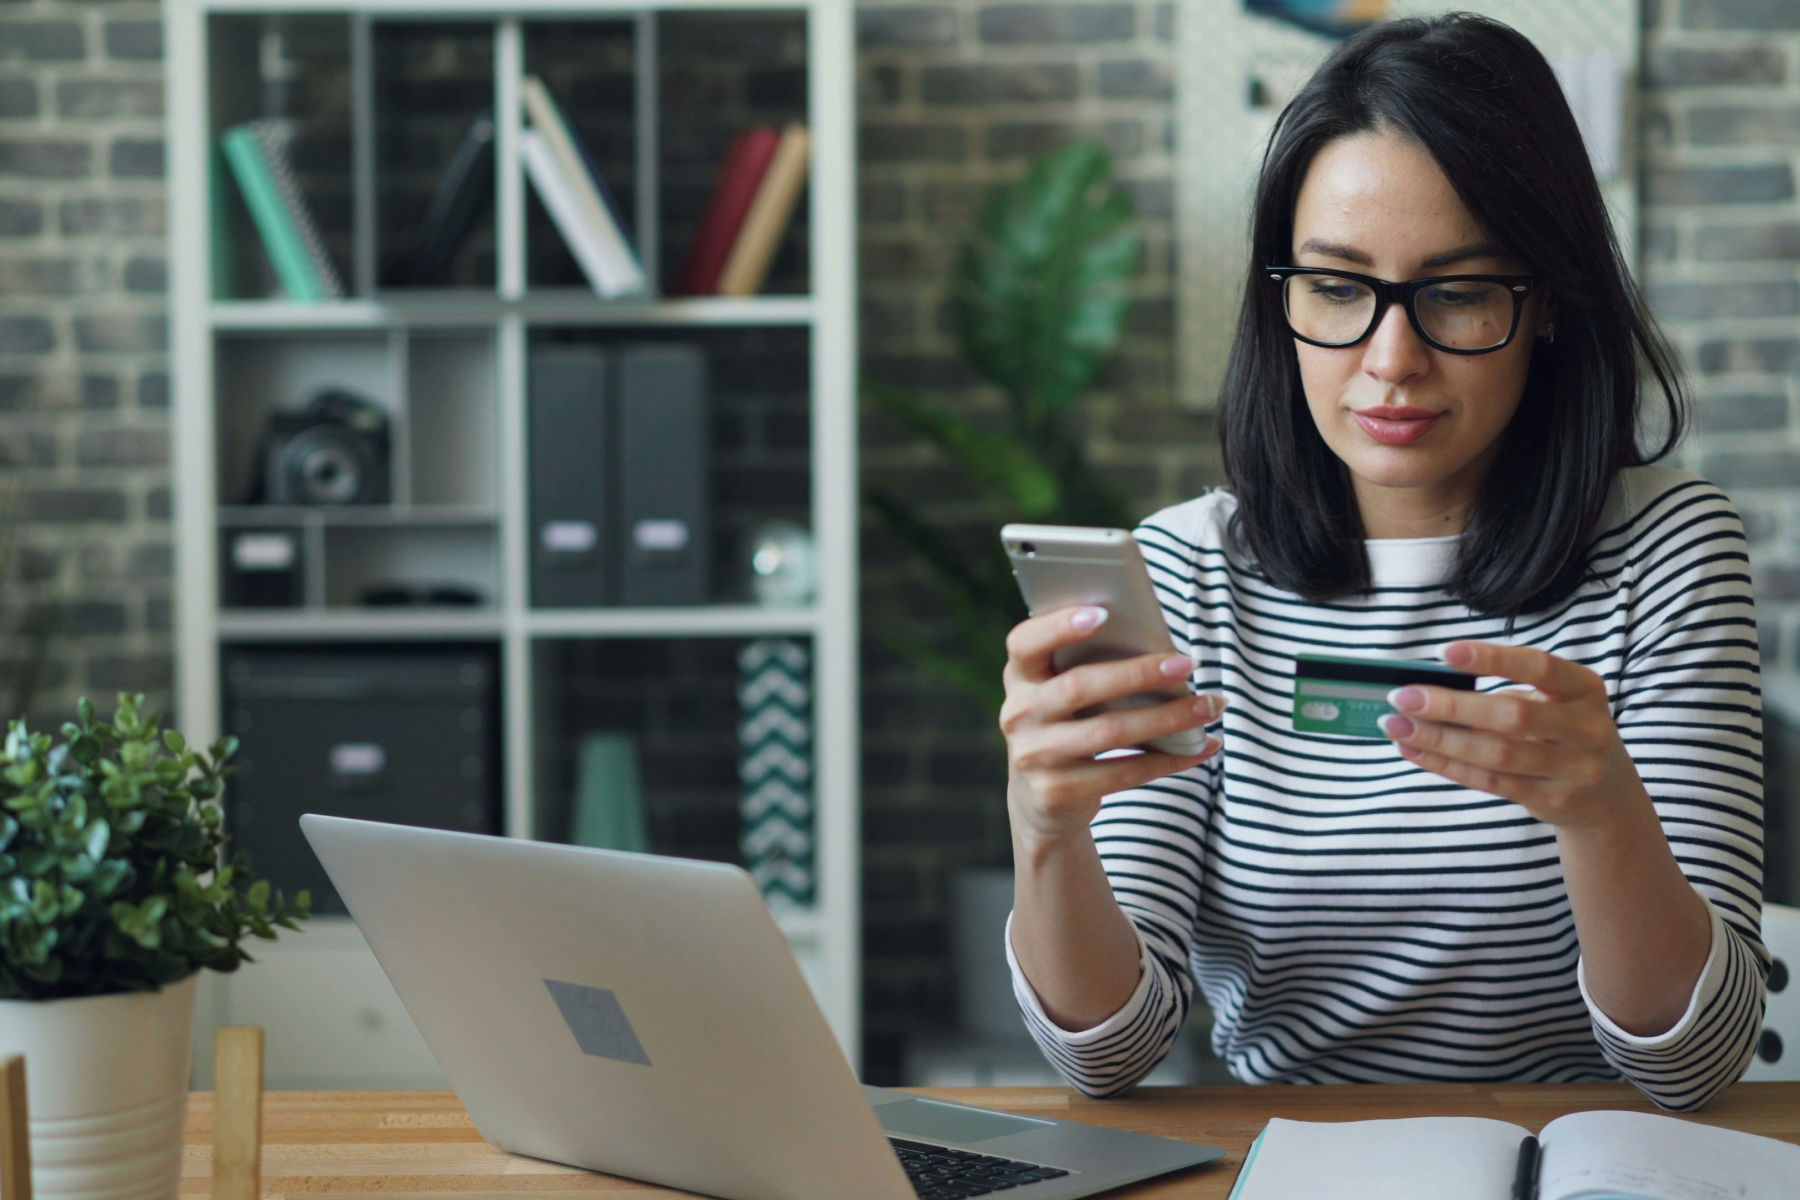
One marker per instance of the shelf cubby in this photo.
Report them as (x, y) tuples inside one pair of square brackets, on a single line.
[(432, 81), (759, 438), (258, 376), (590, 67), (453, 421), (676, 698), (296, 68), (721, 73), (458, 559)]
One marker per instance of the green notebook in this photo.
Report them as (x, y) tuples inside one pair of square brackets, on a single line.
[(258, 157)]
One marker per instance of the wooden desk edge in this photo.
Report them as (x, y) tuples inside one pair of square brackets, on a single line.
[(385, 1123)]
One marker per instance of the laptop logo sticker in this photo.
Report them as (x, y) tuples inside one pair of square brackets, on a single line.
[(598, 1022)]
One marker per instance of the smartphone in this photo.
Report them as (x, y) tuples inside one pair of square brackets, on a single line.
[(1060, 566)]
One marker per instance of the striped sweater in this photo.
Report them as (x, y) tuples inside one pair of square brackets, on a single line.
[(1353, 919)]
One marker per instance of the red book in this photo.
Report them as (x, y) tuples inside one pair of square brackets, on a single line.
[(732, 196)]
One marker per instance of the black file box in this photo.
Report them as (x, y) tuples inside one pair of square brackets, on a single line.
[(662, 475), (398, 734), (619, 509), (571, 518)]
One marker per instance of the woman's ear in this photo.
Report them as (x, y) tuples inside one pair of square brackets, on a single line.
[(1546, 320)]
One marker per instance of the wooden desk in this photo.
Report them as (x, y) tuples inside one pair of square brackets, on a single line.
[(421, 1145)]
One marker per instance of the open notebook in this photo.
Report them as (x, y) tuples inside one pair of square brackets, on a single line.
[(1585, 1156)]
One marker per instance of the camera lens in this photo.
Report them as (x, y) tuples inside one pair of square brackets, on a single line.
[(1028, 549)]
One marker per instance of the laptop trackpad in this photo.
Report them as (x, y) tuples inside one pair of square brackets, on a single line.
[(950, 1122)]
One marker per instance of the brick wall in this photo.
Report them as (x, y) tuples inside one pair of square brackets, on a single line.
[(1722, 261), (84, 391), (954, 95)]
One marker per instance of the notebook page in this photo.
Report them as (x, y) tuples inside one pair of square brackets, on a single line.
[(1421, 1158), (1638, 1156)]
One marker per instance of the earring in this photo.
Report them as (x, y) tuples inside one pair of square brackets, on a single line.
[(1548, 337)]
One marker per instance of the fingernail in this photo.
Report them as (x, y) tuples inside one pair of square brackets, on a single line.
[(1459, 654), (1088, 618), (1407, 751), (1178, 667), (1212, 745), (1397, 726), (1207, 707), (1407, 699)]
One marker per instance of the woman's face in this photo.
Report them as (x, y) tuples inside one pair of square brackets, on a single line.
[(1398, 412)]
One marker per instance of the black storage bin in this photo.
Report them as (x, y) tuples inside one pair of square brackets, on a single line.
[(405, 735)]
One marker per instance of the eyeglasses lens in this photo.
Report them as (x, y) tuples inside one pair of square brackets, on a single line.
[(1328, 309), (1466, 315)]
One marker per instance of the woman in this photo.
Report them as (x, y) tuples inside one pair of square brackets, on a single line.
[(1431, 425)]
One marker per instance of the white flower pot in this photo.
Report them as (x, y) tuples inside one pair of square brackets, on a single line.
[(106, 1078)]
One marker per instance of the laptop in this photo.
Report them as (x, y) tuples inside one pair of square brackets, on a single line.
[(644, 1016)]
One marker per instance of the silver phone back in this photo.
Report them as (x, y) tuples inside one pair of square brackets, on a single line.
[(1060, 566)]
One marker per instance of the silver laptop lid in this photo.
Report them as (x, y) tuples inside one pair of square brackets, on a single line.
[(631, 1014)]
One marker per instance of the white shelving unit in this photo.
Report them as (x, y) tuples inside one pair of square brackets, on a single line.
[(331, 1019)]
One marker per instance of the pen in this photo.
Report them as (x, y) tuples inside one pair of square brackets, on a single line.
[(1525, 1179)]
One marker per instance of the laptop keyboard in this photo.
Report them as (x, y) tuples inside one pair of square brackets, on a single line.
[(940, 1173)]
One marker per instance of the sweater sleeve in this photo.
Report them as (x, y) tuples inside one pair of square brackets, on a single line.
[(1688, 707), (1149, 840)]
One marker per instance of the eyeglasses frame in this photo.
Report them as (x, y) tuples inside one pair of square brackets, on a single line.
[(1405, 295)]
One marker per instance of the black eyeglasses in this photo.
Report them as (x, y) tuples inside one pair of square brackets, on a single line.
[(1458, 314)]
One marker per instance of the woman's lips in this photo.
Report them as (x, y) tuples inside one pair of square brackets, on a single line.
[(1396, 424)]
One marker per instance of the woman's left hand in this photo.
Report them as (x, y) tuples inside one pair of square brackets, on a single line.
[(1553, 749)]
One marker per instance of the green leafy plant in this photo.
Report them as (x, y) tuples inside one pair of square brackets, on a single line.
[(110, 875), (1039, 298)]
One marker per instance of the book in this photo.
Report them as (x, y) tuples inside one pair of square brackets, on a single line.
[(462, 193), (610, 262), (1600, 1155), (748, 266), (558, 195), (739, 180), (258, 154)]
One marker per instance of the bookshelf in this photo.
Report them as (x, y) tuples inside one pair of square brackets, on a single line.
[(378, 91)]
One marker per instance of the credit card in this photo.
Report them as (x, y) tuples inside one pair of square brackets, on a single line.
[(1337, 693)]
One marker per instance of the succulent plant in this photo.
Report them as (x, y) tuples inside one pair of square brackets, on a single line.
[(111, 869)]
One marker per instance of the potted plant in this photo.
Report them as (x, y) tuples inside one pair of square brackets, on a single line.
[(1039, 298), (113, 896)]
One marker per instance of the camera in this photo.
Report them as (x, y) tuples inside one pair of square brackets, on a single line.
[(334, 451)]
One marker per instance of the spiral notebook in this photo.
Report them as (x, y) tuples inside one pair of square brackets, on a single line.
[(1602, 1155)]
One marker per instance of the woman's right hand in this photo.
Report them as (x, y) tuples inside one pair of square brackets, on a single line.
[(1054, 782)]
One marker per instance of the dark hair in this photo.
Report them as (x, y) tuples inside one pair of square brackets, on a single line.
[(1485, 104)]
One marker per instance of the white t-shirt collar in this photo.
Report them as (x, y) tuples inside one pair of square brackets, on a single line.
[(1411, 562)]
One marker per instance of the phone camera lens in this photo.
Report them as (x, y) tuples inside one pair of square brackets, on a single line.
[(1028, 549)]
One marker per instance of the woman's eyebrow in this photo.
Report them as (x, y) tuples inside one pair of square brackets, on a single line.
[(1443, 259), (1463, 254), (1333, 250)]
